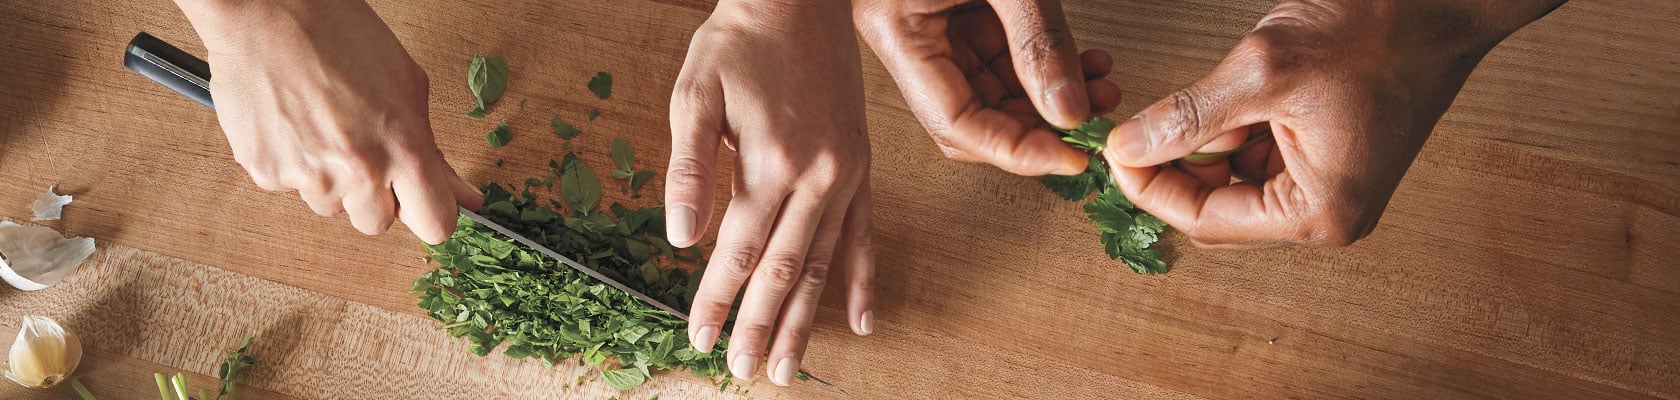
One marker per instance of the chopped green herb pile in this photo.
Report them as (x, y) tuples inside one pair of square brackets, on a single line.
[(601, 84), (491, 290), (1127, 232), (488, 78)]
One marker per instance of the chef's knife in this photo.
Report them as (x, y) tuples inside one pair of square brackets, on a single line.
[(190, 76)]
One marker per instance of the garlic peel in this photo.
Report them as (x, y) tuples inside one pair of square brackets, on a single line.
[(36, 257), (44, 354), (49, 206)]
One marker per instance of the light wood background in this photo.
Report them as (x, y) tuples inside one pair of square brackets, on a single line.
[(1532, 251)]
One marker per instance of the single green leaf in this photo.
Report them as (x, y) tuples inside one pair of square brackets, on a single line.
[(601, 85), (594, 113), (581, 188), (563, 129), (500, 136), (623, 156), (624, 378), (487, 77)]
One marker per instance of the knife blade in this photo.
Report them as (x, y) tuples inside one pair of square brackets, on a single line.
[(189, 76)]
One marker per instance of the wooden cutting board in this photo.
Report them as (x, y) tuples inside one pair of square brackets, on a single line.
[(1532, 251)]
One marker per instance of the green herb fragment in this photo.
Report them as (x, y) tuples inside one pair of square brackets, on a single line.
[(500, 136), (488, 78), (594, 113), (235, 361), (498, 162), (624, 378), (601, 85), (581, 188), (1126, 232), (83, 393), (175, 387), (563, 129), (1090, 136)]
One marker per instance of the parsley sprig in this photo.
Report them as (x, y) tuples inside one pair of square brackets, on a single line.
[(1126, 231)]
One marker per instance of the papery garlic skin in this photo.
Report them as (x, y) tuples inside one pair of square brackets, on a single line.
[(44, 354), (37, 257)]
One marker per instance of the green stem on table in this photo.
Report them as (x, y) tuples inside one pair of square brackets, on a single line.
[(181, 387), (81, 390), (163, 386)]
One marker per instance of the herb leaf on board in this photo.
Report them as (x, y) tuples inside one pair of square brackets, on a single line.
[(499, 136), (487, 77), (601, 85)]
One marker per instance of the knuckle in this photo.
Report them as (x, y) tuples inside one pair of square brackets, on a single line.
[(795, 333), (815, 273), (781, 269), (739, 262), (1044, 44), (1183, 118), (687, 172)]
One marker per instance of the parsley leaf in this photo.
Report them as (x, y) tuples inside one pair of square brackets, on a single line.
[(593, 112), (624, 378), (1090, 136), (581, 188), (601, 84), (1126, 232), (623, 156), (488, 78), (500, 136), (563, 129)]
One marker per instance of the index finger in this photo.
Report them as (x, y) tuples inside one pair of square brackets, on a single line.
[(919, 58)]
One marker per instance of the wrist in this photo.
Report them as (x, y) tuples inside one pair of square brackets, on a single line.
[(232, 26), (787, 15)]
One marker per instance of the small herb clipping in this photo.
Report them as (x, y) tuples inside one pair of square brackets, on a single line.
[(499, 136), (175, 387), (624, 163), (493, 292), (594, 112), (563, 129), (1126, 232), (601, 85), (488, 78)]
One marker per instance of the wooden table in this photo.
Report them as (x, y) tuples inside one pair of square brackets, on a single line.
[(1532, 251)]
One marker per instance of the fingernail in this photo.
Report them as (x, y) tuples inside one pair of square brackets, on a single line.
[(744, 366), (785, 371), (680, 226), (1129, 141), (1062, 102), (866, 323), (705, 339)]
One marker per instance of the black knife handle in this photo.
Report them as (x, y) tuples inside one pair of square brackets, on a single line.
[(170, 67)]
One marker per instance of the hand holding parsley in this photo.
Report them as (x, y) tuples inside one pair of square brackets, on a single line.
[(1319, 111), (782, 84), (990, 82), (321, 98)]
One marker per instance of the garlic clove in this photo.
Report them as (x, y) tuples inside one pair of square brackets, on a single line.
[(36, 257), (49, 206), (44, 354)]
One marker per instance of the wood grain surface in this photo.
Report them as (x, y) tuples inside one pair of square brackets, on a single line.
[(1533, 251)]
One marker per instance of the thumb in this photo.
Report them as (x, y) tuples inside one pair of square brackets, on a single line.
[(1220, 104), (1046, 61)]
